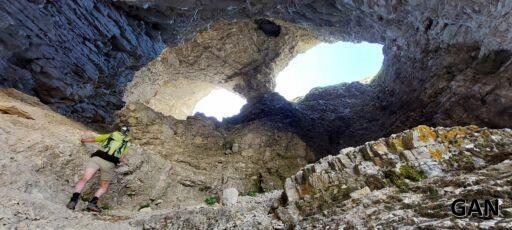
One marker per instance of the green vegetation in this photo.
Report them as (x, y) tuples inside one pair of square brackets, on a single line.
[(431, 193), (397, 180), (146, 205), (252, 194), (462, 162), (411, 173), (402, 185), (211, 200), (130, 194), (386, 182), (405, 172), (502, 144)]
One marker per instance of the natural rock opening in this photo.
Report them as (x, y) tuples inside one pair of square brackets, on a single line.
[(228, 44), (220, 103), (327, 64), (238, 57)]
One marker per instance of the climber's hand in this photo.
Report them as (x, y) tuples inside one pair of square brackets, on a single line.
[(90, 139)]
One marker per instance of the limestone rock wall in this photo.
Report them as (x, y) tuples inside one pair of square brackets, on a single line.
[(446, 63), (398, 160), (172, 163), (76, 56), (424, 204), (249, 157), (42, 158), (448, 87)]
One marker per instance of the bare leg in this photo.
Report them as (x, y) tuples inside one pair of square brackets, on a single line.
[(103, 188), (89, 173)]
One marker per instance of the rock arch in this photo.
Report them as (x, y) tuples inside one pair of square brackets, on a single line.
[(446, 63)]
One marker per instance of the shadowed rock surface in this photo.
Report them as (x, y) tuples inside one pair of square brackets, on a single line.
[(76, 56), (446, 63)]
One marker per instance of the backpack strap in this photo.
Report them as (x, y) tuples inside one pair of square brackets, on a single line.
[(119, 151), (106, 144)]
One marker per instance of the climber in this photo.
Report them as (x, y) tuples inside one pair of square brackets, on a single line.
[(113, 149)]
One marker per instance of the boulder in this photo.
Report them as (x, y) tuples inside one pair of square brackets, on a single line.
[(229, 196), (147, 209), (360, 193)]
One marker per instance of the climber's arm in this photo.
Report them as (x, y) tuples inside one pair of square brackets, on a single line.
[(99, 138), (88, 139)]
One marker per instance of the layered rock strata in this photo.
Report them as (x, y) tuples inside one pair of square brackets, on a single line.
[(423, 153), (76, 56)]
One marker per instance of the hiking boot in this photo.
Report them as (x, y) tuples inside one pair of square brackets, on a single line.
[(92, 207), (71, 204)]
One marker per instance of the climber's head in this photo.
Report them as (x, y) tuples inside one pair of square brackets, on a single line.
[(124, 129)]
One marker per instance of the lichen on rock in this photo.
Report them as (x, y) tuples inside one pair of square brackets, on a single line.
[(332, 178)]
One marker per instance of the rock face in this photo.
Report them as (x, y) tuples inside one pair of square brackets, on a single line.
[(275, 112), (42, 158), (248, 213), (410, 156), (445, 63), (406, 180), (427, 77), (249, 157), (76, 56), (161, 169), (425, 204)]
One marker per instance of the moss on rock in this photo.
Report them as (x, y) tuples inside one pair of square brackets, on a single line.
[(410, 173)]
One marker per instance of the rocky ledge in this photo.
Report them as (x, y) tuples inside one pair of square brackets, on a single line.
[(449, 163)]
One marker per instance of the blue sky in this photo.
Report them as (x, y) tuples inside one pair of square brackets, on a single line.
[(329, 64), (323, 65)]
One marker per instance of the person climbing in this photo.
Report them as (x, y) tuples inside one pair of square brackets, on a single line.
[(114, 146)]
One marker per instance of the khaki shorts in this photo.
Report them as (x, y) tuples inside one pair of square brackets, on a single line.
[(106, 167)]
